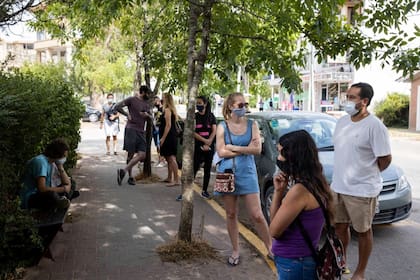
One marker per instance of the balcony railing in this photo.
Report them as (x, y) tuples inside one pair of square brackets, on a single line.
[(329, 77)]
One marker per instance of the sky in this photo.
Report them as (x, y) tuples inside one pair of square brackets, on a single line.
[(18, 32)]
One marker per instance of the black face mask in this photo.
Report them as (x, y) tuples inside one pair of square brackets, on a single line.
[(284, 166)]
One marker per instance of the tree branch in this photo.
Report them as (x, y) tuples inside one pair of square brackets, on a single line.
[(261, 38)]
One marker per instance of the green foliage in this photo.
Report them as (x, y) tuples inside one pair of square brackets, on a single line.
[(36, 106), (393, 110), (105, 67)]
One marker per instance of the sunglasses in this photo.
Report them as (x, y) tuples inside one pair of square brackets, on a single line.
[(241, 105)]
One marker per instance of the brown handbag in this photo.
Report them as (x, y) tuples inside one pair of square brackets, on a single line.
[(225, 181)]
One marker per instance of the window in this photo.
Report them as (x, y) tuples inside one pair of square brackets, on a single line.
[(28, 46)]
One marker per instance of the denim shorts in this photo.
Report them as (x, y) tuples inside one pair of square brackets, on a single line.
[(295, 268)]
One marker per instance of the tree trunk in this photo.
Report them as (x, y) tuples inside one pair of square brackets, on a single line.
[(147, 165), (196, 60), (137, 75)]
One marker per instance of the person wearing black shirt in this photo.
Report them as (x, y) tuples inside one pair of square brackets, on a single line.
[(205, 133)]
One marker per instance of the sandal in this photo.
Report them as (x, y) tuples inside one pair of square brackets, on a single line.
[(233, 261), (346, 270), (165, 181)]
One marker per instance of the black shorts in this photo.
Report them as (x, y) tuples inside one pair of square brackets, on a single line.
[(134, 141)]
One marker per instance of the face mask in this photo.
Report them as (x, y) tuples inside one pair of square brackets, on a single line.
[(110, 100), (200, 108), (350, 108), (240, 112), (284, 166), (61, 161)]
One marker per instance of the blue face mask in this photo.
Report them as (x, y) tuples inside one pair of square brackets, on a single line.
[(61, 161), (240, 112), (200, 108)]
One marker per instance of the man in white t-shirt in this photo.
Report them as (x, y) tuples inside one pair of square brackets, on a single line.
[(111, 123), (362, 151)]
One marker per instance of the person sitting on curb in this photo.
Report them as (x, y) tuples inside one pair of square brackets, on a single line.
[(37, 191)]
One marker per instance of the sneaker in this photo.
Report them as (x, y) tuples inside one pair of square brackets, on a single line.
[(75, 194), (179, 197), (346, 270), (205, 194), (161, 164), (62, 203), (120, 176), (131, 181)]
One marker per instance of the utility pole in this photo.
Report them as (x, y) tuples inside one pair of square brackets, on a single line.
[(311, 94)]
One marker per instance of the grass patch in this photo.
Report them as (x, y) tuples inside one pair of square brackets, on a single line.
[(178, 250)]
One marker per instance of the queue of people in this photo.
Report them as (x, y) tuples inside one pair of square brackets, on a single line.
[(362, 151)]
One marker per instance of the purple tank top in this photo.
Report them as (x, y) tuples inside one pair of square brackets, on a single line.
[(291, 244)]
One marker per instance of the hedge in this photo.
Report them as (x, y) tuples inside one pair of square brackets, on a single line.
[(393, 110), (34, 109)]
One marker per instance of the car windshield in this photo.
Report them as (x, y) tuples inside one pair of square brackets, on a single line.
[(320, 129)]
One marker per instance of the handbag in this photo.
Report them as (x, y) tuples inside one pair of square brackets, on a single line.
[(178, 128), (330, 259), (225, 181)]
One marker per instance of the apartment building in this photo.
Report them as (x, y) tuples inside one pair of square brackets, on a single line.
[(41, 49)]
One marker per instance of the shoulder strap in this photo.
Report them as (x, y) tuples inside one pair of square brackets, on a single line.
[(230, 138), (307, 239), (302, 228)]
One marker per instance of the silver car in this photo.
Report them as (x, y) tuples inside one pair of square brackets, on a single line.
[(395, 197)]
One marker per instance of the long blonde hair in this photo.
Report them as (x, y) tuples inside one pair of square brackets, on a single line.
[(169, 103), (229, 100)]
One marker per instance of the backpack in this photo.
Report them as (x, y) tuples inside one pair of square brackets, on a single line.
[(330, 259), (111, 111)]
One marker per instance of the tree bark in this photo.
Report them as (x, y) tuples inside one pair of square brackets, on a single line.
[(197, 55)]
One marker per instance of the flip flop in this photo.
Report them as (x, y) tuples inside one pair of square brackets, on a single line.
[(346, 270), (233, 261), (165, 181)]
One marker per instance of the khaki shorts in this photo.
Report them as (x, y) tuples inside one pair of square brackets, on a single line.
[(359, 211)]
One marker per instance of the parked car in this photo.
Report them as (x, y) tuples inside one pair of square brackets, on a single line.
[(395, 197), (91, 114)]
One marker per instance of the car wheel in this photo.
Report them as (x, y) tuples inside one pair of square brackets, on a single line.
[(268, 199), (93, 118)]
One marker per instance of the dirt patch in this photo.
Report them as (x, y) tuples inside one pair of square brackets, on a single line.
[(178, 250), (147, 180)]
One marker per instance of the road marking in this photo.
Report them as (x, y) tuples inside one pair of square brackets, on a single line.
[(253, 239)]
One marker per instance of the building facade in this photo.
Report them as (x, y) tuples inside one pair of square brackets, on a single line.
[(414, 112)]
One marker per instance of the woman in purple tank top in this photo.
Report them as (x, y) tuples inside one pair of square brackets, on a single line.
[(299, 168)]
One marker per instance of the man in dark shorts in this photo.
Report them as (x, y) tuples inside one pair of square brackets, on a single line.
[(134, 136)]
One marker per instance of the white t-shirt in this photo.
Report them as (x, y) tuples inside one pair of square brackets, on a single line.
[(357, 145)]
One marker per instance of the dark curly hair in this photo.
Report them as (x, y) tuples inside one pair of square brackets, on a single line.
[(301, 153), (56, 149)]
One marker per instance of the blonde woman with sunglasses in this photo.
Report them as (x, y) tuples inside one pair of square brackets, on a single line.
[(243, 143)]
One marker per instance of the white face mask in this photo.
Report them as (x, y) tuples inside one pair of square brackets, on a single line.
[(350, 108), (61, 161), (110, 100)]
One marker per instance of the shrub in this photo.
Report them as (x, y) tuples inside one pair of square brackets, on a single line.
[(393, 110), (34, 109)]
